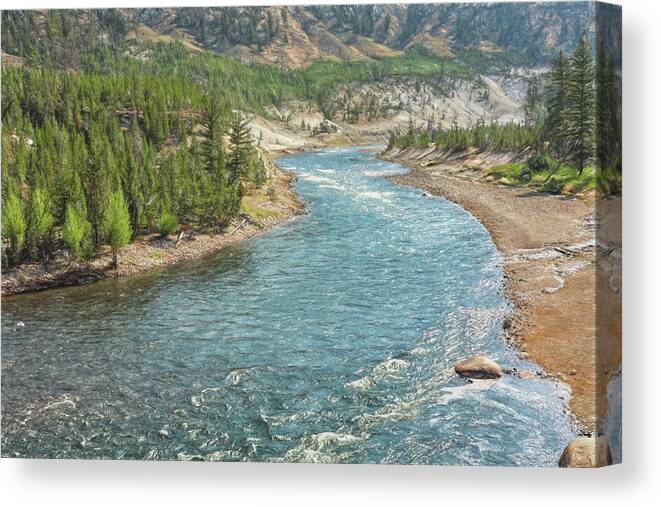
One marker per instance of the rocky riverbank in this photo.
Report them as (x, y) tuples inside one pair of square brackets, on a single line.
[(275, 202), (554, 267)]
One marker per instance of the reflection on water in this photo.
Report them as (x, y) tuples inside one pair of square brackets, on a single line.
[(331, 338)]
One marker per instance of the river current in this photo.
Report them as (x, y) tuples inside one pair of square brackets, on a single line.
[(330, 338)]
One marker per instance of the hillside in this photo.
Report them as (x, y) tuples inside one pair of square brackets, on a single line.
[(363, 86), (369, 111), (296, 36)]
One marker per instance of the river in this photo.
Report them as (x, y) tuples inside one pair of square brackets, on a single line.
[(330, 338)]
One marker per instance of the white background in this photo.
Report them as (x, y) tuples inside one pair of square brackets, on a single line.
[(51, 483)]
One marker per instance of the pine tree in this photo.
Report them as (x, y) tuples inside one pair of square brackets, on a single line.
[(76, 231), (167, 223), (532, 99), (117, 224), (608, 112), (40, 221), (221, 192), (203, 31), (240, 148), (95, 182), (581, 105), (212, 151), (556, 122), (14, 226)]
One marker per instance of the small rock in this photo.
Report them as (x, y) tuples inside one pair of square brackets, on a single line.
[(523, 355), (507, 323), (478, 367), (586, 452), (572, 372)]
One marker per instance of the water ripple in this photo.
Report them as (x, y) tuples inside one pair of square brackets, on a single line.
[(329, 339)]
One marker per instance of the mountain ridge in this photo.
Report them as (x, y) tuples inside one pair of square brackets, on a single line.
[(296, 36)]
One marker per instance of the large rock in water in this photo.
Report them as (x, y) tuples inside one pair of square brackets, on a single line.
[(478, 367), (586, 452)]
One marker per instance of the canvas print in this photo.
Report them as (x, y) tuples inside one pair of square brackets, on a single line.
[(325, 233)]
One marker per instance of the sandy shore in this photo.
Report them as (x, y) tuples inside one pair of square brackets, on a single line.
[(152, 251), (553, 269)]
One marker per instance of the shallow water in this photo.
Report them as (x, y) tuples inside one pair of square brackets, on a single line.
[(330, 338)]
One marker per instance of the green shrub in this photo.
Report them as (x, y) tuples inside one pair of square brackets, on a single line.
[(537, 163), (167, 224)]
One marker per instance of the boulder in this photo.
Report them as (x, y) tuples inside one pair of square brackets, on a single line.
[(586, 452), (478, 367)]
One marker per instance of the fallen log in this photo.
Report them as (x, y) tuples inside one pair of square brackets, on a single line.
[(238, 226)]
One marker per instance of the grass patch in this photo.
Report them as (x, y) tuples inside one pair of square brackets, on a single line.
[(256, 212), (155, 254), (565, 180)]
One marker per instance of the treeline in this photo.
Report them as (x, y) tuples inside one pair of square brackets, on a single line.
[(90, 160), (31, 95), (247, 86), (492, 136), (572, 117)]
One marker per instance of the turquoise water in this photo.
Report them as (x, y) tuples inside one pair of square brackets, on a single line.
[(330, 338)]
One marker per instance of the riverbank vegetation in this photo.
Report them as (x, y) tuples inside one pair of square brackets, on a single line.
[(571, 135), (94, 159)]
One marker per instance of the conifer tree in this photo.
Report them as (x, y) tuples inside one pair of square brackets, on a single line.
[(14, 226), (40, 221), (167, 223), (76, 231), (608, 130), (556, 122), (240, 148), (212, 151), (117, 224), (95, 181), (532, 99), (581, 105)]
